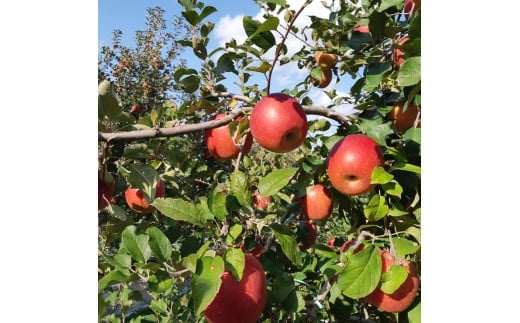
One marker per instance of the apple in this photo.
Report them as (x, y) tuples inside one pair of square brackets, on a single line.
[(257, 251), (138, 203), (278, 123), (404, 296), (348, 243), (144, 84), (351, 162), (221, 145), (403, 120), (261, 202), (362, 29), (398, 53), (242, 301), (326, 77), (410, 7), (106, 186), (317, 203), (307, 234), (325, 60)]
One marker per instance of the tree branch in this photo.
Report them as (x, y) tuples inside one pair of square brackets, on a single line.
[(187, 128)]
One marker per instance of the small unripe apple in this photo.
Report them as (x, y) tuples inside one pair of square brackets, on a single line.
[(351, 162), (243, 301), (317, 203), (325, 60), (403, 120), (278, 123), (221, 145), (404, 296), (397, 55), (138, 203)]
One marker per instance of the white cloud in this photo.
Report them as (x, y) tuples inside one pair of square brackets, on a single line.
[(230, 27)]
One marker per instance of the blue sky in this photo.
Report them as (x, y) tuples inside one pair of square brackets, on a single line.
[(129, 16)]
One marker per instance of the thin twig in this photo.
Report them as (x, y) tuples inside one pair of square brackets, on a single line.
[(284, 38)]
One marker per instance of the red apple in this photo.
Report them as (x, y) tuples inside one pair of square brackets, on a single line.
[(397, 55), (410, 7), (278, 123), (257, 251), (362, 29), (317, 203), (403, 120), (106, 186), (144, 84), (221, 145), (351, 162), (261, 202), (404, 296), (347, 244), (326, 60), (138, 203), (243, 301)]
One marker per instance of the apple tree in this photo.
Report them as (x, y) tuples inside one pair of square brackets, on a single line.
[(176, 217)]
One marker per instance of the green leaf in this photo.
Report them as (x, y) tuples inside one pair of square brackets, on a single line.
[(408, 168), (145, 178), (393, 188), (410, 72), (159, 243), (234, 262), (404, 246), (376, 209), (217, 203), (234, 233), (191, 16), (203, 210), (206, 282), (361, 274), (414, 314), (115, 276), (263, 39), (240, 188), (108, 104), (206, 12), (279, 2), (225, 64), (393, 279), (123, 260), (159, 306), (376, 129), (285, 238), (179, 210), (270, 23), (263, 68), (136, 245), (380, 176), (275, 181), (283, 285), (385, 4), (319, 125), (375, 73), (190, 83)]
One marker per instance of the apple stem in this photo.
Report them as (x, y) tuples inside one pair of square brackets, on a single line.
[(284, 38)]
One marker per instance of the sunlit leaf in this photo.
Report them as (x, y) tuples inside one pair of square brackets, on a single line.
[(361, 274), (376, 209), (275, 181), (410, 72), (392, 279), (136, 244), (179, 210), (206, 282), (234, 261)]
